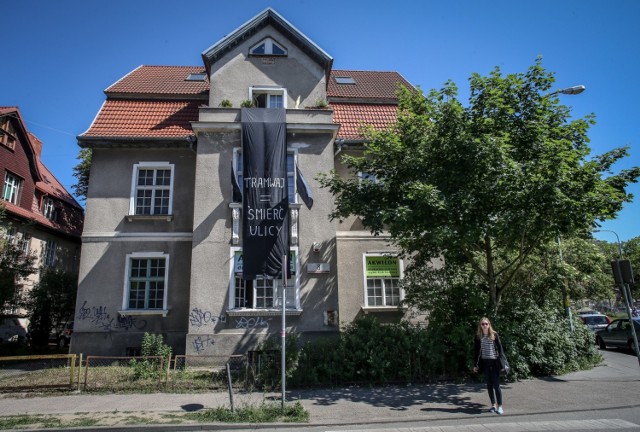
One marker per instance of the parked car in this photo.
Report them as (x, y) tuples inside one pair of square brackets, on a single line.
[(618, 334), (61, 334), (13, 329), (595, 321)]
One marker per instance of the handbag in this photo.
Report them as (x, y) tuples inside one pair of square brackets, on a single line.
[(504, 365)]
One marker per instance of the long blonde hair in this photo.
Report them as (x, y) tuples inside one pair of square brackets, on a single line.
[(480, 333)]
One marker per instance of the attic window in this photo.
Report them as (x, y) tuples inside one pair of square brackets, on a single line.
[(344, 80), (268, 47), (196, 77)]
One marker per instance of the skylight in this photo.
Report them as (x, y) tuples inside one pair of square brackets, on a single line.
[(344, 80), (196, 77)]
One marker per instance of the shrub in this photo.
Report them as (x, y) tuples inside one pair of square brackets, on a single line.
[(225, 103), (247, 103), (152, 346)]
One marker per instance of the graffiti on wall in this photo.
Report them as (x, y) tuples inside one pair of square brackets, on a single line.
[(199, 318), (100, 318), (252, 322), (201, 343)]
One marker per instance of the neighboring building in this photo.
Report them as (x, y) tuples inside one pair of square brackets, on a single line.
[(41, 216), (162, 242)]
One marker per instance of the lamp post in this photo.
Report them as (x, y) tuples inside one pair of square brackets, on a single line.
[(626, 291), (574, 90), (565, 297)]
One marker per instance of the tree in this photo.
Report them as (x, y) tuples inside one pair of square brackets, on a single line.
[(52, 301), (484, 185), (81, 173), (15, 265)]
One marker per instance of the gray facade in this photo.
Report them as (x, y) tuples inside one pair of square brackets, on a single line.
[(175, 270)]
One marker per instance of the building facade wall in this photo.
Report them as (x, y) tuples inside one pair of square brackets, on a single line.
[(103, 325)]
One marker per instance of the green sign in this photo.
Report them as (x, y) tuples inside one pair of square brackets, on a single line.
[(382, 266)]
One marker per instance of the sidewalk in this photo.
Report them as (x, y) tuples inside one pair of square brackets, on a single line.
[(617, 380)]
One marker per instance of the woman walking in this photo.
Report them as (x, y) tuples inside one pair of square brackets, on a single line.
[(487, 352)]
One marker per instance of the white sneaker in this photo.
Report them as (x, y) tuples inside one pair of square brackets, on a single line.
[(492, 409), (500, 410)]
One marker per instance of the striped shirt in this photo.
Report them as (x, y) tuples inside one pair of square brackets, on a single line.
[(487, 348)]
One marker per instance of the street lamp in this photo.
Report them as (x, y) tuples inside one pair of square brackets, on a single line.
[(569, 90)]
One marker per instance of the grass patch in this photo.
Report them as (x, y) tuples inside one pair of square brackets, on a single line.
[(44, 421), (265, 413)]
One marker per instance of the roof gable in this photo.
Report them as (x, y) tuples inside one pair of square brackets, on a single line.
[(268, 17)]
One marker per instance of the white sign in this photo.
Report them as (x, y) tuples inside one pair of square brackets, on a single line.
[(318, 268)]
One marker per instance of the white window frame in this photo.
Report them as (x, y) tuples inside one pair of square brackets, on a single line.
[(256, 90), (11, 187), (49, 253), (127, 278), (49, 209), (291, 175), (292, 298), (384, 288), (268, 48), (155, 166), (24, 242)]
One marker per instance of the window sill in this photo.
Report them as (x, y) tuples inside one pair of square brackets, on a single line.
[(132, 218), (131, 312), (263, 312), (374, 309)]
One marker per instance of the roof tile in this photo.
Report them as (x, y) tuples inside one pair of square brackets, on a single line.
[(351, 116), (368, 84), (145, 118), (165, 80)]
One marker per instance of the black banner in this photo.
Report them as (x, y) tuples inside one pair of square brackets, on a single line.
[(265, 208)]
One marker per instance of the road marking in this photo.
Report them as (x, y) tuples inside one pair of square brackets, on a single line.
[(601, 424)]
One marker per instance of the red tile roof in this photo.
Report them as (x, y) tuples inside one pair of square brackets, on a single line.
[(131, 110), (164, 80), (351, 116), (145, 118), (368, 85)]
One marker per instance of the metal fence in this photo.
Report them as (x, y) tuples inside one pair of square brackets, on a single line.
[(38, 372), (180, 373)]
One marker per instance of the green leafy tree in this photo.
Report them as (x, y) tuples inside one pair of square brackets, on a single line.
[(81, 173), (483, 185), (51, 302), (15, 266)]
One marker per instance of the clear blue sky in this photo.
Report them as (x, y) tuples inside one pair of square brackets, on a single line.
[(59, 56)]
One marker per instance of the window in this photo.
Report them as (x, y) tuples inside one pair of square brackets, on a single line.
[(6, 134), (152, 189), (10, 235), (49, 254), (11, 188), (344, 80), (268, 97), (365, 176), (267, 47), (146, 281), (49, 209), (196, 77), (24, 243), (291, 172), (382, 280), (262, 293)]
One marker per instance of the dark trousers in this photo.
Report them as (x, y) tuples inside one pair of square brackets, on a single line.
[(491, 368)]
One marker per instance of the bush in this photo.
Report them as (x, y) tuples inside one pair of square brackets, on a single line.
[(152, 346)]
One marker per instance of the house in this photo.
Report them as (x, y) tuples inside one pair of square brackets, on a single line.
[(41, 216), (165, 226)]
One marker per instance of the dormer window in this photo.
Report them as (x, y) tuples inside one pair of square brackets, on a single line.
[(49, 209), (268, 47)]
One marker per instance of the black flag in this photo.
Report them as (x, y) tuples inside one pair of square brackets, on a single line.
[(303, 189), (265, 208)]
